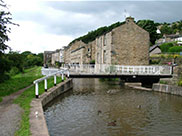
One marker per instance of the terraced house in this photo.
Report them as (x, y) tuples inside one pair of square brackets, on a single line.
[(127, 44)]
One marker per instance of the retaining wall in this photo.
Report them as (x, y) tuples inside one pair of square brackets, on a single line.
[(170, 89), (38, 126)]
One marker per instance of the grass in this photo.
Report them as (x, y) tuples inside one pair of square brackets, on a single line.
[(19, 81), (24, 101)]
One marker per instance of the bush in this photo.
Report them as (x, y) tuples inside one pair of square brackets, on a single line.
[(14, 71), (175, 49), (165, 47)]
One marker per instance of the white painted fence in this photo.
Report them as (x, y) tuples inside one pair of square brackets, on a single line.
[(49, 73), (118, 69)]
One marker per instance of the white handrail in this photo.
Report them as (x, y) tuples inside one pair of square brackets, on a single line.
[(119, 69), (62, 71)]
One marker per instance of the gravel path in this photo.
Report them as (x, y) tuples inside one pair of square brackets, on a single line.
[(10, 114)]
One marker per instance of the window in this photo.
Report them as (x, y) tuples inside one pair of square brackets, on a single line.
[(105, 41), (104, 57)]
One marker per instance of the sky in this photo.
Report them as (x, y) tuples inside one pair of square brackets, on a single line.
[(47, 25)]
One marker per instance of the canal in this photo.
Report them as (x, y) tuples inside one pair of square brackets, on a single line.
[(95, 108)]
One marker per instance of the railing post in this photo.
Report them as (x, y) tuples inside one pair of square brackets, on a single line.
[(62, 77), (45, 85), (36, 90), (54, 80), (127, 69), (68, 74)]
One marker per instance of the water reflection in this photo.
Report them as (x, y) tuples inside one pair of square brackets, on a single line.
[(90, 110)]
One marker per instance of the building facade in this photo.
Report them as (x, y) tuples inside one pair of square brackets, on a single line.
[(127, 44)]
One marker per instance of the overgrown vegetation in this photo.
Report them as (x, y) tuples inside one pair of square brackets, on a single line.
[(19, 81)]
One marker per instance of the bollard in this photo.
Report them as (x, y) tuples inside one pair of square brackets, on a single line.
[(45, 83), (37, 90)]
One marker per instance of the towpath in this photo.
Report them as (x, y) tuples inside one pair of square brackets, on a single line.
[(10, 114)]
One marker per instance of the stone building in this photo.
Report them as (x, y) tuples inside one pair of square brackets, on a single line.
[(48, 57), (127, 44), (155, 49), (57, 56), (51, 57), (79, 53)]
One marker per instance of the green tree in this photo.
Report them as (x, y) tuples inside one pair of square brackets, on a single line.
[(166, 29), (26, 53), (5, 21), (165, 47), (17, 60), (175, 49), (150, 27)]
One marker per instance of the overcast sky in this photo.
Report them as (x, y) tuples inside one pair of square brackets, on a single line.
[(52, 24)]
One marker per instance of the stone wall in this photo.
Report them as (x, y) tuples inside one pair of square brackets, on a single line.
[(170, 89), (130, 44), (103, 49), (38, 126)]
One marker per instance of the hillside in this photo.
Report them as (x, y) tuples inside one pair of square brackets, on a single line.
[(148, 25)]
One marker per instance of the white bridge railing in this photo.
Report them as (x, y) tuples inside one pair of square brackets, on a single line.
[(118, 69), (50, 73)]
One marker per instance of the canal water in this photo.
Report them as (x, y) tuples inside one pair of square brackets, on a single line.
[(95, 108)]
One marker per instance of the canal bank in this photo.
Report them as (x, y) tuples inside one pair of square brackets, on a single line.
[(163, 88), (38, 126), (169, 89)]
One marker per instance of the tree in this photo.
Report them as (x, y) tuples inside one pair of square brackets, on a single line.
[(165, 29), (5, 20), (150, 27), (26, 53), (17, 60), (175, 49)]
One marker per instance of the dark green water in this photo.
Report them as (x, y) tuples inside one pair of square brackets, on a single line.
[(91, 107)]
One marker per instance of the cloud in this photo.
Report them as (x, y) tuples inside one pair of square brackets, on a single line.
[(49, 25)]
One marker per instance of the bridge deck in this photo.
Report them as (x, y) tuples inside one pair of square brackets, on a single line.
[(85, 75)]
